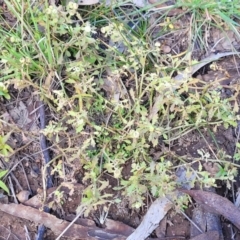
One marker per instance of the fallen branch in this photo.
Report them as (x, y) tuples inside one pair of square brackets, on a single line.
[(58, 225), (150, 222)]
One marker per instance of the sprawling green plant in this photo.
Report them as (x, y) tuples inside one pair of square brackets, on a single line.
[(103, 96)]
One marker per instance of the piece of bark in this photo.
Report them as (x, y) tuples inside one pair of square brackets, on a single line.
[(154, 215)]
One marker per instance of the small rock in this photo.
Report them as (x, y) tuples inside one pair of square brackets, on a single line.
[(23, 196), (166, 49)]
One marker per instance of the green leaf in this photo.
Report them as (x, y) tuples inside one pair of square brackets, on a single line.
[(237, 156), (117, 200), (238, 145), (3, 173), (4, 187), (6, 137)]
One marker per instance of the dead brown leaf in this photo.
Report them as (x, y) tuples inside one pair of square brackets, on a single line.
[(24, 115), (212, 235), (206, 221), (214, 203)]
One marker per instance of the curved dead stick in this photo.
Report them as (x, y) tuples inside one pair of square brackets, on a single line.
[(217, 204)]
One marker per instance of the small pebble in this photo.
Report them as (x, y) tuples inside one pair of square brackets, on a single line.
[(166, 49), (23, 196)]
